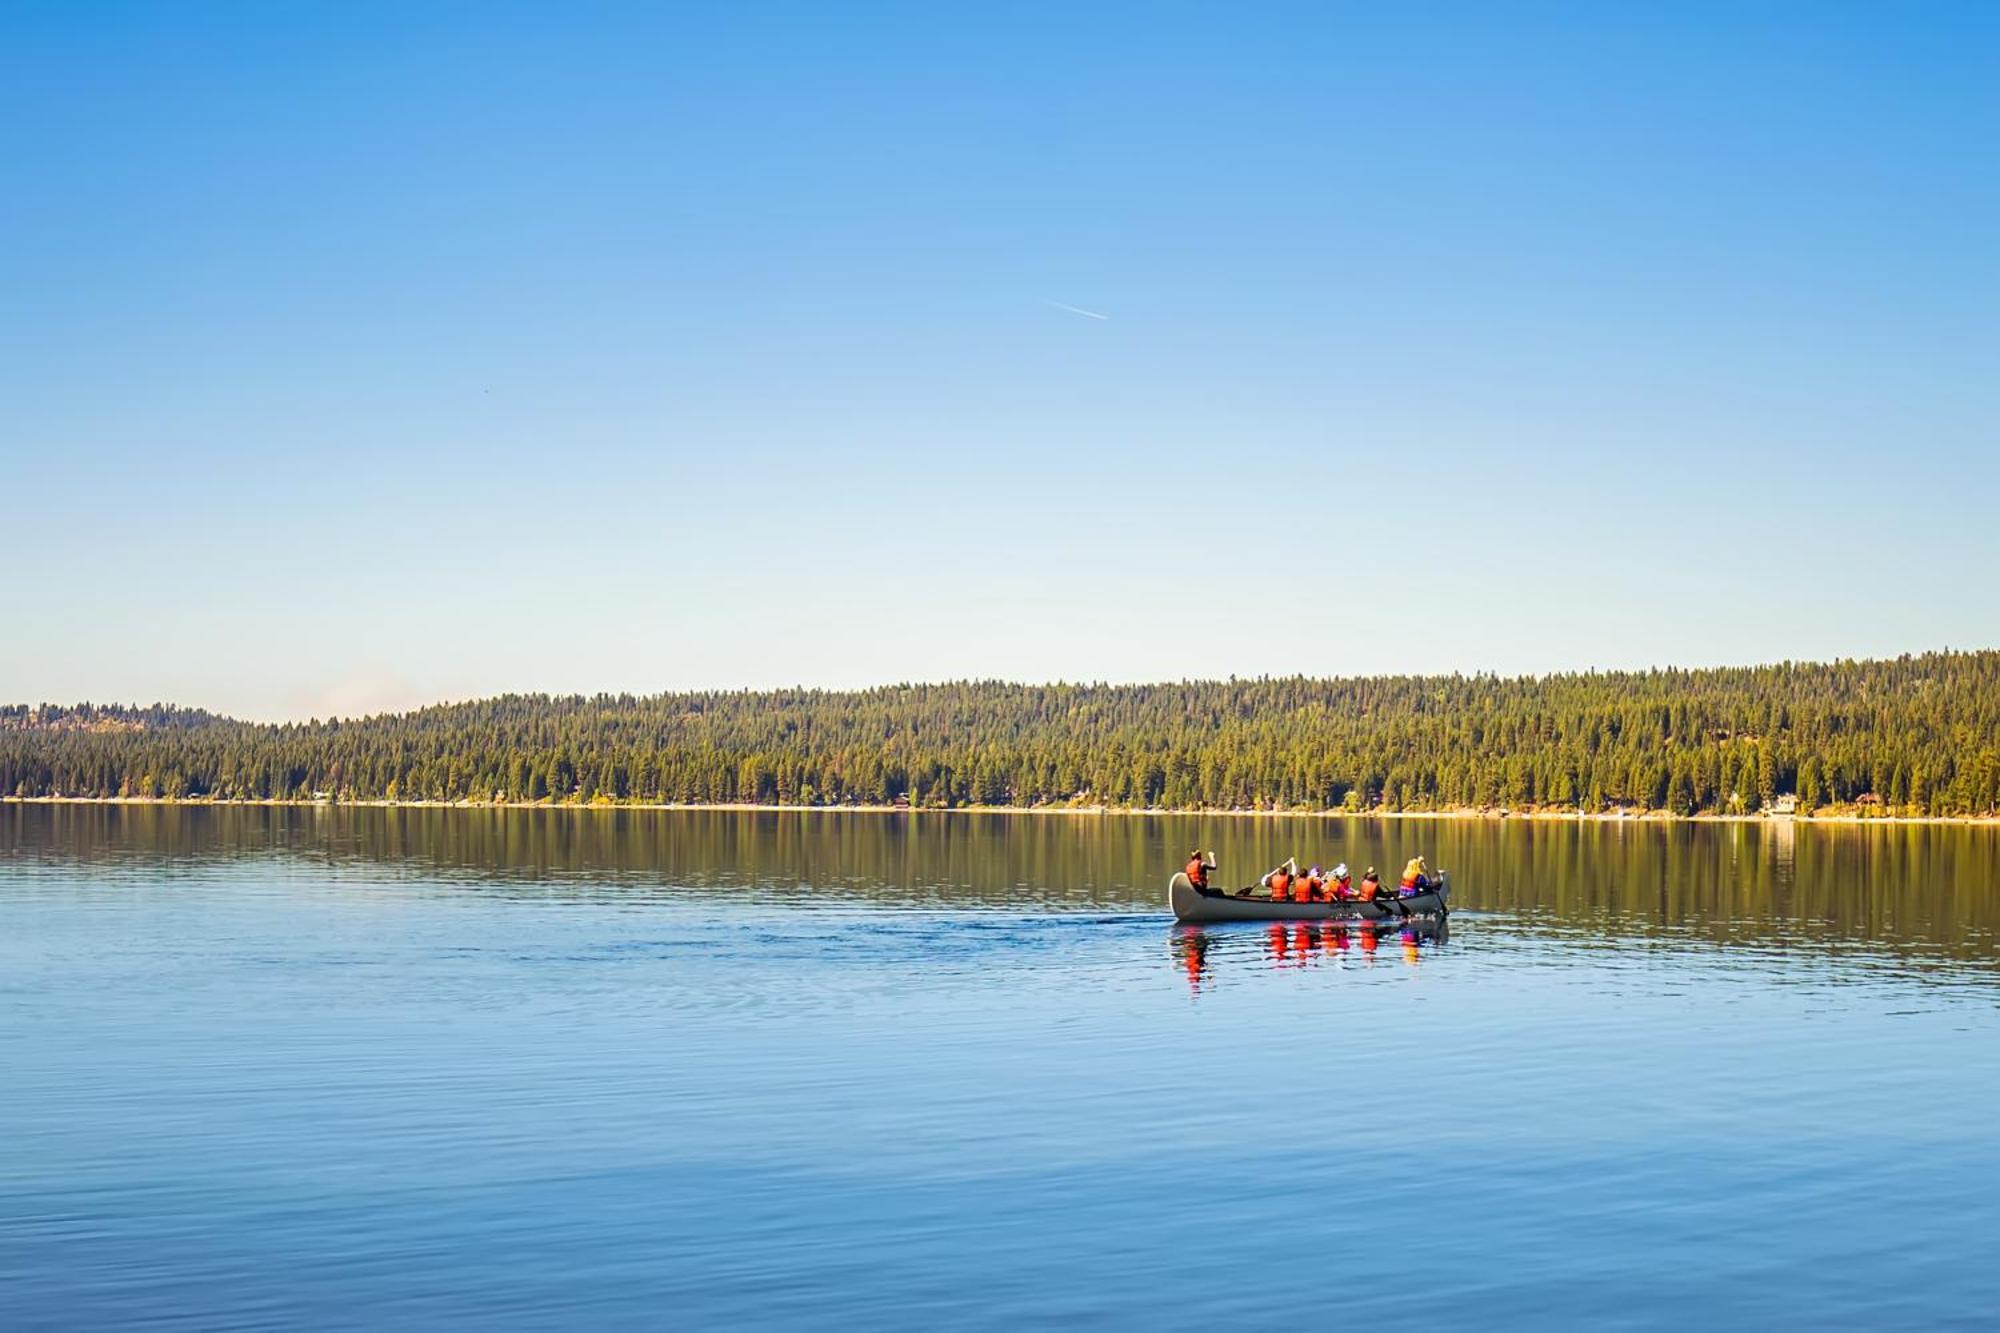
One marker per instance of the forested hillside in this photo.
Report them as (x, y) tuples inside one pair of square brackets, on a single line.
[(1918, 735)]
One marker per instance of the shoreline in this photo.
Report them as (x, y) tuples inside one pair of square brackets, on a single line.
[(1845, 818)]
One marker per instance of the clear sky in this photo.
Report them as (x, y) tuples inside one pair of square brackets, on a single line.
[(354, 356)]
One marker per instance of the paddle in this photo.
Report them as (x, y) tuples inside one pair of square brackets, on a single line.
[(1265, 878)]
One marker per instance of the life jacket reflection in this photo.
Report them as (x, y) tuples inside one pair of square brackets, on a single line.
[(1193, 949)]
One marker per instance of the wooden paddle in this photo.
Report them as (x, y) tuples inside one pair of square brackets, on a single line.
[(1265, 878)]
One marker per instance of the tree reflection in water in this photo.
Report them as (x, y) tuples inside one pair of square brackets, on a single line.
[(1926, 897)]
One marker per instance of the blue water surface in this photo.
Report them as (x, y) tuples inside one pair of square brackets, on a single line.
[(286, 1089)]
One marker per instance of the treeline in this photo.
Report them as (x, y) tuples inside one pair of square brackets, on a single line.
[(1917, 735)]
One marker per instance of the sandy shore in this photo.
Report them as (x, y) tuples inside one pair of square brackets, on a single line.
[(1538, 816)]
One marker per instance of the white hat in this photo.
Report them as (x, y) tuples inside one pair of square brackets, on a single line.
[(1340, 871)]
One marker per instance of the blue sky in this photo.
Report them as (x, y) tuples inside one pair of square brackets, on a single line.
[(355, 356)]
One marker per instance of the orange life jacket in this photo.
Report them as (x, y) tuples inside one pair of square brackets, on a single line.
[(1197, 872), (1311, 889), (1281, 885), (1343, 888)]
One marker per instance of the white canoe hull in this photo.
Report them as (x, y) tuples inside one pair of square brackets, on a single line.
[(1192, 905)]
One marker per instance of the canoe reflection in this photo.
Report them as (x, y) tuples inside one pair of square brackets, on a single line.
[(1197, 949)]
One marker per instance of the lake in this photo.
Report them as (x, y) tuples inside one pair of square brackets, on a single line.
[(370, 1068)]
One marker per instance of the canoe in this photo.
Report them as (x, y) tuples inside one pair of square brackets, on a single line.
[(1201, 905)]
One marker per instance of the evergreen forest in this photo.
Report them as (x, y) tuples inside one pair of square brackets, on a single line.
[(1917, 735)]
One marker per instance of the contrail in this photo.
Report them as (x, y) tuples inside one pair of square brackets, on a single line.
[(1078, 310)]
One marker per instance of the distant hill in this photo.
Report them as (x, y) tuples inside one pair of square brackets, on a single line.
[(1919, 735), (106, 718)]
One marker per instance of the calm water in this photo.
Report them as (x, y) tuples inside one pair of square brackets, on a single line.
[(549, 1069)]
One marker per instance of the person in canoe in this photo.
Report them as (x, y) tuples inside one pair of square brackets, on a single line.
[(1198, 865), (1302, 886), (1279, 881), (1312, 886), (1416, 876), (1371, 891), (1340, 887)]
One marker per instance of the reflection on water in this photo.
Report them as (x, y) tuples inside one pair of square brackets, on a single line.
[(1198, 950), (1933, 888), (479, 1069)]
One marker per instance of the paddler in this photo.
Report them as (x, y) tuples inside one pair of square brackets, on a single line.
[(1416, 875), (1279, 881), (1372, 892), (1342, 884), (1198, 865)]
